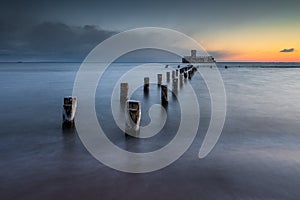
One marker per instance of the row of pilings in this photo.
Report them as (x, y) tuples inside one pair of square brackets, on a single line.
[(179, 75)]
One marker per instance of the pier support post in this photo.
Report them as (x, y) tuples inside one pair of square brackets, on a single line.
[(175, 86), (190, 74), (146, 84), (168, 76), (181, 70), (173, 74), (123, 92), (69, 110), (164, 94), (185, 74), (159, 79), (181, 80)]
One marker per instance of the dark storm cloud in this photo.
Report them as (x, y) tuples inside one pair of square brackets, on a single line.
[(51, 36), (50, 39), (132, 13), (287, 50)]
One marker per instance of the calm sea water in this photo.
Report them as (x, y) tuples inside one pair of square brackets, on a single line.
[(257, 156)]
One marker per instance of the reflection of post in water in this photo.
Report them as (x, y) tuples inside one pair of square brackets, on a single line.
[(164, 95), (132, 117)]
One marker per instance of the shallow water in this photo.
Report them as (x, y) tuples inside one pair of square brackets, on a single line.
[(257, 156)]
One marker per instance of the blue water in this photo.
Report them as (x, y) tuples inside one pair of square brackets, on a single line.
[(257, 156)]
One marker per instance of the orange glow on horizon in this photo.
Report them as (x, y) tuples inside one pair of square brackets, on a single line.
[(264, 57), (255, 43)]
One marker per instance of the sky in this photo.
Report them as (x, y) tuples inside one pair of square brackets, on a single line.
[(232, 30)]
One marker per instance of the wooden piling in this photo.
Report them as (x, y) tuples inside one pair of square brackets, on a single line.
[(146, 84), (190, 74), (123, 92), (185, 74), (164, 94), (168, 76), (181, 79), (175, 86), (159, 79), (69, 110)]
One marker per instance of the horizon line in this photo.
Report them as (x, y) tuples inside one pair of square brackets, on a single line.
[(221, 61)]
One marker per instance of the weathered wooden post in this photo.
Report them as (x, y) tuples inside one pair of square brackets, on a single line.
[(132, 117), (173, 74), (181, 70), (181, 80), (175, 86), (70, 104), (159, 79), (123, 92), (164, 94), (168, 76), (146, 84), (190, 74), (185, 74)]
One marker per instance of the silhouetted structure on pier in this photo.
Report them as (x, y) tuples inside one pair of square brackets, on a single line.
[(193, 58)]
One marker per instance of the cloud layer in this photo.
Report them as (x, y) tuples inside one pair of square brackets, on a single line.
[(287, 50), (49, 40)]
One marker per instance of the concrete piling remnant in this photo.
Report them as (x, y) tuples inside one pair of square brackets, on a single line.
[(123, 92)]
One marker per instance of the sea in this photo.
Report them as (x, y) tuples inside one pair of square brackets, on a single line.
[(256, 156)]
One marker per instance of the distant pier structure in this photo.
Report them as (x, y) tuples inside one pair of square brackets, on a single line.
[(193, 58)]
